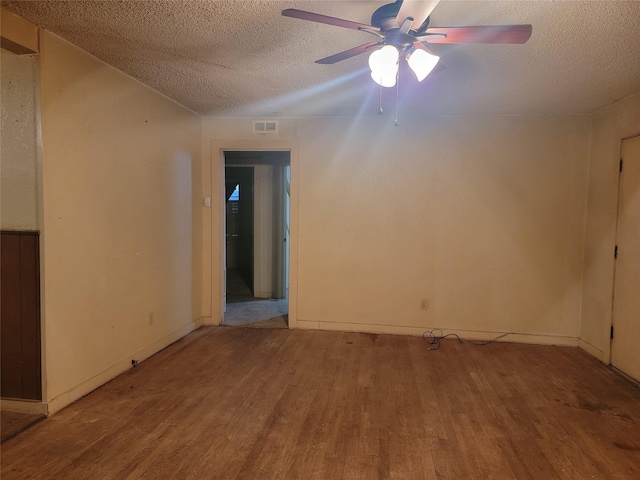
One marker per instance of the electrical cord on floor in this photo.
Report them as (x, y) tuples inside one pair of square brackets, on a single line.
[(433, 338)]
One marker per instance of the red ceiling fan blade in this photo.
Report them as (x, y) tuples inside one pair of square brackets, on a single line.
[(479, 34), (316, 17), (419, 10), (352, 52)]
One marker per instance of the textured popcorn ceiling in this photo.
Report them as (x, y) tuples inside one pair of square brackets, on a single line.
[(223, 57)]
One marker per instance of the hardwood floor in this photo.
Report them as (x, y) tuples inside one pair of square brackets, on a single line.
[(289, 404)]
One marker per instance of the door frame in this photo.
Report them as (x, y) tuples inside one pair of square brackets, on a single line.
[(218, 147), (280, 192), (609, 345)]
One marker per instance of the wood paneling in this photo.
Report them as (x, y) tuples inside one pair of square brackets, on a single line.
[(234, 403), (20, 311)]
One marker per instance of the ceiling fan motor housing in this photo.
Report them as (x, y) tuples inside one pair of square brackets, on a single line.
[(385, 18)]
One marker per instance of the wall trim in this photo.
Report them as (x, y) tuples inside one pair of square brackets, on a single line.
[(206, 321), (18, 35), (591, 350), (79, 391), (508, 337), (24, 406)]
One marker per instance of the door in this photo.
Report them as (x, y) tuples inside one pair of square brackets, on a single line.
[(282, 196), (625, 355), (287, 227)]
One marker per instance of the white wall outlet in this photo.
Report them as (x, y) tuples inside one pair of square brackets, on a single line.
[(424, 304), (207, 202)]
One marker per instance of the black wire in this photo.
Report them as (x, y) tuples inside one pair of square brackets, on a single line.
[(432, 338)]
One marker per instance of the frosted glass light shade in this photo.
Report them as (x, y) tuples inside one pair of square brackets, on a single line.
[(422, 62), (384, 65), (384, 59)]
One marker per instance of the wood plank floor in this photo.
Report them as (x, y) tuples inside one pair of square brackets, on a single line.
[(289, 404)]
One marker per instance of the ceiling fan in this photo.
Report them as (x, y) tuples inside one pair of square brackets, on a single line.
[(403, 30)]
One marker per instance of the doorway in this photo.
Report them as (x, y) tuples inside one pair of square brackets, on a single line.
[(256, 238), (625, 331)]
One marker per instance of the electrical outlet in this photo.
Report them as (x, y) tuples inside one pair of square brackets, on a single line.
[(150, 319), (424, 304)]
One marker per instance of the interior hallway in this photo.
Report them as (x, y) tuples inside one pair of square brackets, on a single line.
[(244, 310), (290, 404)]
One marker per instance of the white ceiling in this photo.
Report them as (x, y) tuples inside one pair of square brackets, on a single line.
[(227, 58)]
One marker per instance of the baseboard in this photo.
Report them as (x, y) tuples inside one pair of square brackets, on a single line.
[(58, 403), (24, 406), (629, 378), (510, 337), (538, 339), (591, 350), (305, 324)]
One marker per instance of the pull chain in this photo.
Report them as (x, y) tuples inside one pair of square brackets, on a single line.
[(380, 110), (395, 122)]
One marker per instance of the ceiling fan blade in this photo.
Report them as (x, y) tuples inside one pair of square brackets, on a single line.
[(338, 22), (430, 37), (406, 25), (480, 34), (419, 10), (352, 52)]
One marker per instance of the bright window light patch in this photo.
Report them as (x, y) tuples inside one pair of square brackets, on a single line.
[(235, 196)]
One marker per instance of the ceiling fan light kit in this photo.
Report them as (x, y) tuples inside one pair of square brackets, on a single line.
[(403, 30), (422, 63), (384, 65)]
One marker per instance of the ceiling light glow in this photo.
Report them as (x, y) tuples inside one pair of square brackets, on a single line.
[(384, 65), (422, 63)]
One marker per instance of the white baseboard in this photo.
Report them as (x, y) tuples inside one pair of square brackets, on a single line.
[(538, 339), (24, 406), (509, 337), (591, 349), (79, 391)]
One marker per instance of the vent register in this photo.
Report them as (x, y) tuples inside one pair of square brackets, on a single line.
[(265, 126)]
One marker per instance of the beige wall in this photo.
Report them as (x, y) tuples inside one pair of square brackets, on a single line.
[(18, 146), (121, 178), (610, 126), (484, 217)]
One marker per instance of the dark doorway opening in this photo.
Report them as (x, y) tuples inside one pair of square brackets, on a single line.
[(256, 239), (239, 231)]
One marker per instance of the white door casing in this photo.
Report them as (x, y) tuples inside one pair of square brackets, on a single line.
[(625, 344)]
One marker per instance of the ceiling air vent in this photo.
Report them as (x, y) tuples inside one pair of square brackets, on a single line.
[(265, 126)]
